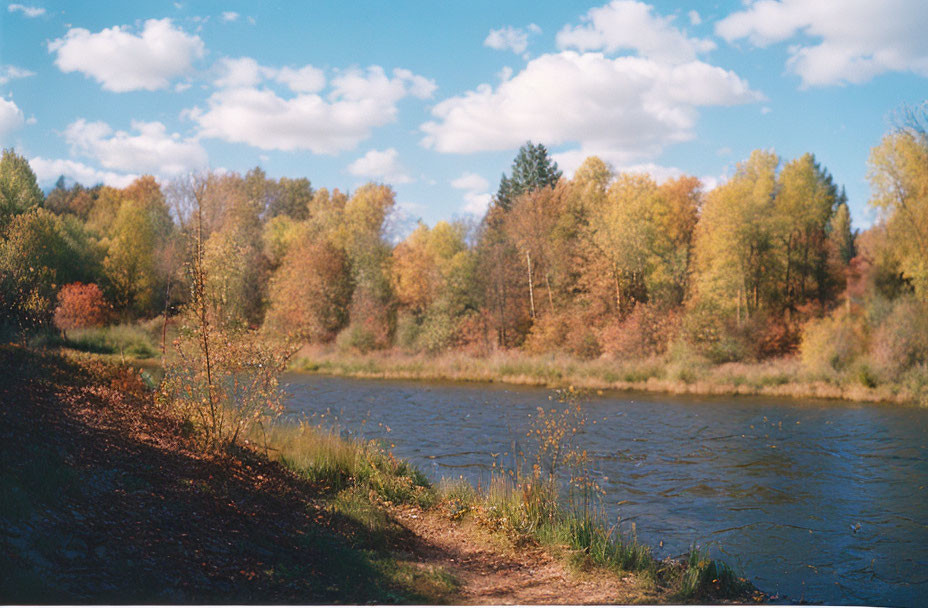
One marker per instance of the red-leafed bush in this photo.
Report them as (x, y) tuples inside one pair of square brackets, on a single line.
[(81, 305), (644, 332)]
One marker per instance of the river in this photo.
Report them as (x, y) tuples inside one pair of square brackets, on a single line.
[(816, 501)]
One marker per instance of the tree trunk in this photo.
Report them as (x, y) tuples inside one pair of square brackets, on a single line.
[(550, 297), (531, 287), (618, 292), (204, 322)]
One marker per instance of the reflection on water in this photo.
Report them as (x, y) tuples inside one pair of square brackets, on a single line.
[(818, 501)]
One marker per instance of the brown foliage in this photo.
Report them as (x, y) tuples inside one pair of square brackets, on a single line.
[(646, 331), (567, 332), (311, 292), (81, 305)]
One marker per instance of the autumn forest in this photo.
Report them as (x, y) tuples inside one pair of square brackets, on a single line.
[(603, 264)]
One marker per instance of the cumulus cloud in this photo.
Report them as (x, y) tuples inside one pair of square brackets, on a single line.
[(381, 165), (511, 38), (229, 16), (307, 79), (48, 170), (247, 72), (11, 118), (123, 61), (476, 198), (837, 41), (151, 150), (29, 11), (240, 72), (357, 101), (628, 25), (629, 106), (11, 72)]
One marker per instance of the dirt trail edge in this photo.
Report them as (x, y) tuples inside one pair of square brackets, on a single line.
[(491, 570)]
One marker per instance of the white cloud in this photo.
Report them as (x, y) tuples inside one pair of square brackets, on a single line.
[(629, 25), (229, 16), (381, 165), (247, 72), (307, 79), (11, 72), (470, 181), (358, 101), (151, 150), (122, 61), (476, 198), (29, 11), (48, 170), (856, 39), (695, 19), (11, 118), (240, 72), (511, 38), (629, 106)]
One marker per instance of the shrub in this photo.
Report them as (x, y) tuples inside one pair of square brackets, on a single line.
[(81, 305), (223, 382), (407, 332), (548, 334), (645, 332), (832, 343), (437, 330), (901, 341), (568, 331)]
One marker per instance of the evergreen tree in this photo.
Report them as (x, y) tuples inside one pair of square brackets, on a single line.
[(532, 169)]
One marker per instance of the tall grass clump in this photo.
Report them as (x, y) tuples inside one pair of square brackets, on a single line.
[(552, 496), (324, 458), (703, 577), (126, 340)]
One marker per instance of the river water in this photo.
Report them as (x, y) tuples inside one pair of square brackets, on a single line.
[(812, 500)]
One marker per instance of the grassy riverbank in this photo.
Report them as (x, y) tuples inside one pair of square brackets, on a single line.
[(780, 377), (675, 373), (108, 500)]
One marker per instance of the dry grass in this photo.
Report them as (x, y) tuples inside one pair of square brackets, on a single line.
[(676, 374)]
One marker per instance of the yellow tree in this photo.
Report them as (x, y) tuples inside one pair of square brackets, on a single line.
[(735, 238), (621, 230), (805, 202), (139, 230), (899, 183), (674, 212)]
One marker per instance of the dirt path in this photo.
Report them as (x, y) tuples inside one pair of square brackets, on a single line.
[(492, 571)]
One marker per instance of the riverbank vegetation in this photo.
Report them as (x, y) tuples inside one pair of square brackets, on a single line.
[(619, 279), (111, 496)]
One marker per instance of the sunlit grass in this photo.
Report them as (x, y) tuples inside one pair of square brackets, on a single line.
[(675, 372), (335, 463)]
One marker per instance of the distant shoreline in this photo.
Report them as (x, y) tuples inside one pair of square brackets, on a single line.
[(777, 378)]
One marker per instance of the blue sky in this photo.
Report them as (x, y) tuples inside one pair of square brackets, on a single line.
[(435, 98)]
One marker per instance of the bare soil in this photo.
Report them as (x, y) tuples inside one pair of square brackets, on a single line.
[(492, 570)]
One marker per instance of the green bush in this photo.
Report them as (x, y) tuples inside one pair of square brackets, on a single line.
[(407, 332), (356, 337)]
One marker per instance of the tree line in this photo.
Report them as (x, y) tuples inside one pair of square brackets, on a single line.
[(601, 264)]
